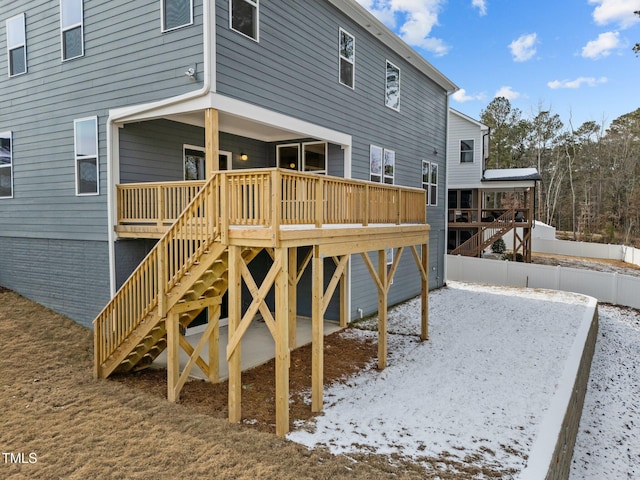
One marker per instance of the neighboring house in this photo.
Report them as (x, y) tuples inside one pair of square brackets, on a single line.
[(485, 204), (115, 114)]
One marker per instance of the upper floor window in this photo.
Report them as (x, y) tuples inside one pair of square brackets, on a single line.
[(430, 182), (71, 29), (6, 166), (392, 87), (466, 151), (17, 45), (176, 14), (243, 17), (86, 155), (382, 164), (347, 59)]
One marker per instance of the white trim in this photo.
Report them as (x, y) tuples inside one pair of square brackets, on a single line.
[(386, 87), (162, 19), (340, 58), (64, 28), (23, 44), (10, 165), (96, 157), (392, 156), (379, 150), (473, 151), (255, 4)]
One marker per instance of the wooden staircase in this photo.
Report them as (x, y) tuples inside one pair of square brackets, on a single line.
[(486, 236), (188, 265)]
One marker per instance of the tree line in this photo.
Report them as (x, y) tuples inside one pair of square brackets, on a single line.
[(590, 174)]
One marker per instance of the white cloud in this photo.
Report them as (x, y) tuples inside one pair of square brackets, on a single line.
[(412, 19), (619, 12), (481, 5), (461, 96), (524, 47), (602, 46), (577, 83), (508, 93)]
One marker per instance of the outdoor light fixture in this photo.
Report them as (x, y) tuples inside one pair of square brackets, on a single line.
[(292, 165), (244, 156), (435, 152)]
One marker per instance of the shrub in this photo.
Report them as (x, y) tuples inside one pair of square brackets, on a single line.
[(498, 246), (509, 257)]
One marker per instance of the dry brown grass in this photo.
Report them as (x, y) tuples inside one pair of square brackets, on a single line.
[(82, 428)]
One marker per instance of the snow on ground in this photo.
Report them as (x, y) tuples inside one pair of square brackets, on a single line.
[(475, 392), (608, 442)]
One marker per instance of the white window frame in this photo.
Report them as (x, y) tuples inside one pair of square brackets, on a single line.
[(376, 162), (472, 151), (342, 58), (9, 166), (22, 44), (389, 160), (303, 163), (429, 185), (386, 86), (78, 158), (64, 28), (186, 147), (298, 161), (163, 27), (256, 5)]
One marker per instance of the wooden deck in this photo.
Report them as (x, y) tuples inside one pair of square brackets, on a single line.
[(209, 232)]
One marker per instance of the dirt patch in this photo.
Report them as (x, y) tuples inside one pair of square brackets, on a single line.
[(344, 356), (594, 264)]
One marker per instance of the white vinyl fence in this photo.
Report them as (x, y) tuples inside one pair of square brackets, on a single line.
[(606, 287), (586, 249)]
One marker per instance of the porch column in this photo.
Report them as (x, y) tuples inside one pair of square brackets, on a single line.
[(211, 142), (235, 314)]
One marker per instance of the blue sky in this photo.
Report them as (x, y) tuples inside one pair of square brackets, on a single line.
[(572, 56)]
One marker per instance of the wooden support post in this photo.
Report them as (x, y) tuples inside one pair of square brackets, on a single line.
[(382, 309), (235, 314), (424, 309), (282, 343), (211, 142), (317, 336), (344, 295), (173, 356), (213, 315), (293, 305)]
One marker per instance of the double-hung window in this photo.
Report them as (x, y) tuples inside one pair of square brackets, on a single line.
[(86, 156), (71, 29), (347, 59), (466, 151), (430, 181), (243, 17), (392, 87), (176, 14), (16, 45), (6, 165), (382, 164)]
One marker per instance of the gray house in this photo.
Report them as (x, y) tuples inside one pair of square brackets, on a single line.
[(156, 155)]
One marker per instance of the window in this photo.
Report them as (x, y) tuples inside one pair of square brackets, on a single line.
[(16, 45), (86, 155), (347, 59), (314, 157), (71, 29), (194, 162), (6, 166), (243, 17), (392, 87), (176, 13), (288, 156), (382, 163), (430, 182), (466, 151)]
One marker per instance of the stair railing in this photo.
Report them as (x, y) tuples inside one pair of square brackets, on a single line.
[(175, 253), (480, 240)]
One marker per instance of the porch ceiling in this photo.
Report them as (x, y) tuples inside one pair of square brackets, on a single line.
[(236, 125)]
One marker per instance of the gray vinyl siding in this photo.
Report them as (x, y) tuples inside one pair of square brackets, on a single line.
[(127, 61), (294, 70), (68, 276)]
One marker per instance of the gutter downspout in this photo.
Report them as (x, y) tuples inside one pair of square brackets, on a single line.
[(113, 171)]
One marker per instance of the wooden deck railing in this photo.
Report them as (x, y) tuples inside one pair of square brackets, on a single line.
[(487, 235), (247, 197)]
